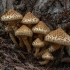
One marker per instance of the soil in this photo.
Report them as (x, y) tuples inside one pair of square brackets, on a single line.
[(11, 59)]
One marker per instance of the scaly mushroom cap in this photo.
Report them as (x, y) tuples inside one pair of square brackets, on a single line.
[(29, 18), (47, 56), (41, 28), (11, 15), (24, 31), (58, 36), (38, 43)]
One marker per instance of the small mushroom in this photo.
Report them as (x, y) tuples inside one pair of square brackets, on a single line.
[(9, 30), (24, 32), (47, 57), (37, 44), (12, 17), (41, 29), (53, 47)]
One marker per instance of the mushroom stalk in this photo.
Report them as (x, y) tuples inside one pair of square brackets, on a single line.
[(36, 51), (26, 43), (21, 44), (9, 30), (44, 62), (13, 39)]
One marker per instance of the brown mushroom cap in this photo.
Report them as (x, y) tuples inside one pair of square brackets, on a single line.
[(24, 30), (38, 43), (47, 56), (58, 36), (29, 18), (11, 15), (41, 28)]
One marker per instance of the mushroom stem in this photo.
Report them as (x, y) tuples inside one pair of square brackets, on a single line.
[(21, 44), (44, 62), (13, 39), (26, 43), (36, 51), (30, 38)]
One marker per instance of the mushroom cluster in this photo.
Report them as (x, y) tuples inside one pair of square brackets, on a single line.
[(34, 34)]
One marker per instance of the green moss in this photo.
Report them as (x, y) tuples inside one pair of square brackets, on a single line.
[(1, 26), (1, 51)]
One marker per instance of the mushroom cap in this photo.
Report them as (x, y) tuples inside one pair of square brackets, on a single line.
[(58, 36), (11, 15), (29, 18), (38, 43), (47, 56), (41, 28), (24, 31)]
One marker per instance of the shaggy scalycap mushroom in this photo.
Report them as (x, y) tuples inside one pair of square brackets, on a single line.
[(29, 18), (11, 15), (24, 32), (41, 29), (47, 57), (37, 44), (58, 36)]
